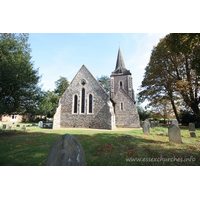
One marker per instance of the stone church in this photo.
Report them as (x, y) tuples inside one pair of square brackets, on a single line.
[(85, 103)]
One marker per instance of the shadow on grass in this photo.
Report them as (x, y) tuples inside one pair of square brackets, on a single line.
[(18, 148)]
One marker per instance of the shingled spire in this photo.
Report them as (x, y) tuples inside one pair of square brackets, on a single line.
[(120, 68), (120, 61)]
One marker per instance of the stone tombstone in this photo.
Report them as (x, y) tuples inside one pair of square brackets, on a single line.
[(40, 124), (174, 121), (66, 151), (146, 126), (192, 134), (0, 123), (191, 127), (10, 127), (174, 134), (4, 126), (18, 125), (24, 127)]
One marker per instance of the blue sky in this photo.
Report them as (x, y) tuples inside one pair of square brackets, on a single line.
[(63, 54)]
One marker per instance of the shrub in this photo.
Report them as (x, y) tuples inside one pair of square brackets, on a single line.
[(187, 117)]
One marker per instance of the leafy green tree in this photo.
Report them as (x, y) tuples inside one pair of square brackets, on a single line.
[(49, 101), (144, 114), (61, 85), (48, 104), (105, 82), (19, 90), (187, 45), (159, 81)]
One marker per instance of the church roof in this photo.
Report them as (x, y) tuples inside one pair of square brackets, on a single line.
[(120, 68)]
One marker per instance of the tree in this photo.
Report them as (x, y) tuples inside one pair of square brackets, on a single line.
[(61, 85), (144, 114), (159, 81), (49, 101), (187, 44), (188, 47), (19, 90), (48, 104), (105, 82), (162, 109)]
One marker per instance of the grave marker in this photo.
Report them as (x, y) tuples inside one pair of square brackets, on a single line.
[(40, 124), (191, 127), (66, 151), (5, 126), (192, 134), (146, 126), (24, 127), (174, 134), (174, 121)]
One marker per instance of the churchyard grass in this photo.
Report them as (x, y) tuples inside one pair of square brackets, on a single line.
[(102, 147)]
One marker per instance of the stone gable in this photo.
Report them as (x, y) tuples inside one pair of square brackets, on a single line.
[(102, 114)]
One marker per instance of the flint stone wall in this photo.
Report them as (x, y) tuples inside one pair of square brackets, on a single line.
[(126, 84), (102, 116), (128, 117)]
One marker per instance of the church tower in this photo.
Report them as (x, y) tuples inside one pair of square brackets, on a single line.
[(121, 77), (122, 93)]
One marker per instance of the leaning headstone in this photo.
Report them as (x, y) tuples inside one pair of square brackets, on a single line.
[(146, 126), (174, 121), (174, 134), (24, 127), (40, 124), (191, 127), (5, 126), (192, 134), (66, 151)]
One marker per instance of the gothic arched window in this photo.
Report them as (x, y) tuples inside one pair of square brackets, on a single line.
[(122, 106), (75, 103), (120, 83), (90, 103), (83, 101)]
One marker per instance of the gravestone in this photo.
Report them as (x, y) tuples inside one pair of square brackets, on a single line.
[(66, 151), (24, 127), (10, 127), (18, 125), (40, 124), (174, 121), (192, 134), (33, 124), (146, 126), (0, 123), (191, 127), (174, 134), (5, 126)]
